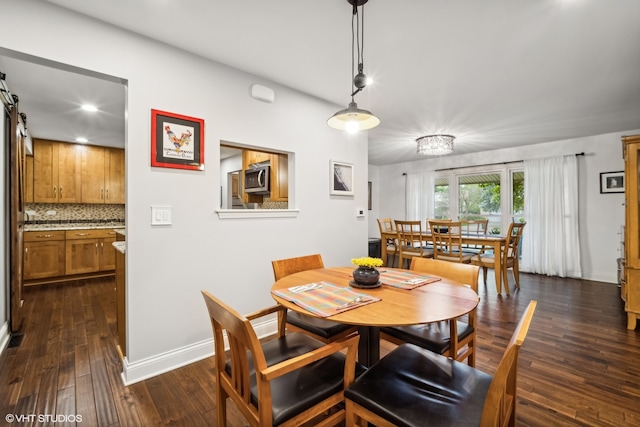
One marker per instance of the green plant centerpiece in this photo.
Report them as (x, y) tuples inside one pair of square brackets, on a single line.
[(366, 275)]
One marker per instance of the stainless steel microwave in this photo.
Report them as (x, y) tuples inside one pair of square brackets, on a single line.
[(257, 179)]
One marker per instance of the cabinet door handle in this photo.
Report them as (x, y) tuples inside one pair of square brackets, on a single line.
[(83, 234), (97, 249), (60, 192), (107, 193), (54, 191), (26, 254)]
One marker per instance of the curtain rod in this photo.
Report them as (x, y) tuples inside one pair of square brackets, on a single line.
[(489, 164)]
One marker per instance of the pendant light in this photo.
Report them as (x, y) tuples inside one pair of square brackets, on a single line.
[(352, 119)]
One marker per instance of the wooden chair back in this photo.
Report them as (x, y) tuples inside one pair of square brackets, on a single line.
[(447, 241), (285, 267), (513, 245), (474, 226), (465, 274), (500, 404), (411, 241), (245, 366), (387, 225)]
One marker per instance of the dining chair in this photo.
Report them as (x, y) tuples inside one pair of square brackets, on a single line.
[(453, 338), (411, 241), (321, 329), (510, 256), (447, 241), (386, 225), (475, 227), (285, 381), (411, 386)]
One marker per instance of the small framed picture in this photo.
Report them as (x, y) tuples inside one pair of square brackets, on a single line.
[(612, 182), (341, 179), (177, 141)]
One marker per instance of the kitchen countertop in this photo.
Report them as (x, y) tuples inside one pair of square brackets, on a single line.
[(74, 226)]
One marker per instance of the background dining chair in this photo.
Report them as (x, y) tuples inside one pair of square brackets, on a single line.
[(286, 381), (453, 338), (510, 256), (411, 241), (386, 225), (321, 329), (441, 391), (447, 241), (475, 227)]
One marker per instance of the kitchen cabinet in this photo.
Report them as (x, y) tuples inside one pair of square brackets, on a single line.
[(89, 251), (102, 175), (44, 254), (279, 178), (250, 157), (56, 172), (630, 285), (28, 179)]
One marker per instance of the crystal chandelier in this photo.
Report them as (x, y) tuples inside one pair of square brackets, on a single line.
[(435, 145)]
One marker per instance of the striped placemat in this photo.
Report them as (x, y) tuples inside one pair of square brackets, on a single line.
[(405, 279), (325, 299)]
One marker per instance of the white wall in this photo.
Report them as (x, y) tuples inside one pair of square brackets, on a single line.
[(168, 266), (4, 263), (600, 214)]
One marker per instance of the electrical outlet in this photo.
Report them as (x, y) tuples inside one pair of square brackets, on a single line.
[(51, 213)]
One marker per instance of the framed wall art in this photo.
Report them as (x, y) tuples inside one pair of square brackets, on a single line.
[(612, 182), (177, 141), (341, 179)]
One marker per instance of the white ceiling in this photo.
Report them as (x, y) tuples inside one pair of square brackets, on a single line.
[(494, 73)]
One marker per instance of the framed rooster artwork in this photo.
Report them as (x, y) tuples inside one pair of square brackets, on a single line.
[(177, 141)]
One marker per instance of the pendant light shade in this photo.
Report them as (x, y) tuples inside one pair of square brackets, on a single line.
[(353, 119)]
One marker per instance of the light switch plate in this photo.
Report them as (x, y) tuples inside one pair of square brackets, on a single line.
[(161, 215)]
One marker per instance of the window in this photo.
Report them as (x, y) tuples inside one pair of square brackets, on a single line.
[(493, 192)]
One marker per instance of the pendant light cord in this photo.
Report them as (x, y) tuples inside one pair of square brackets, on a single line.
[(357, 45)]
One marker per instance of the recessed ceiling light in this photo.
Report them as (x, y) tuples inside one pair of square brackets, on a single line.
[(87, 107), (83, 140)]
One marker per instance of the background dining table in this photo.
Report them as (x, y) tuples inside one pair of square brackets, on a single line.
[(494, 241), (431, 302)]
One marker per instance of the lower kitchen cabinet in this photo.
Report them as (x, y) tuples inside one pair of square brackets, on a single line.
[(44, 254), (89, 251), (52, 256)]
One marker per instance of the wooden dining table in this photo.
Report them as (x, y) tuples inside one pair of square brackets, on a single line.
[(433, 302), (493, 241)]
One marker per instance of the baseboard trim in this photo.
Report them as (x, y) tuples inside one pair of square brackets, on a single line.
[(165, 362)]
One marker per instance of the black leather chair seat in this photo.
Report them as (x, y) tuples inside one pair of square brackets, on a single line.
[(321, 379), (321, 327), (432, 336), (411, 382)]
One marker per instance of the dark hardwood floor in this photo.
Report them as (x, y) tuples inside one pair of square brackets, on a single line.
[(579, 366)]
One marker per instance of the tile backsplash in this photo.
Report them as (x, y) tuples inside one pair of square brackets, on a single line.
[(41, 212)]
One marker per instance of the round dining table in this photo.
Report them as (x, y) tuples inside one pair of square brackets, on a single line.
[(433, 302)]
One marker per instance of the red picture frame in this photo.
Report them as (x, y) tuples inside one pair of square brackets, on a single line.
[(168, 150)]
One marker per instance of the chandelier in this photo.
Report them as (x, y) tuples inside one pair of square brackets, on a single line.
[(435, 145), (352, 119)]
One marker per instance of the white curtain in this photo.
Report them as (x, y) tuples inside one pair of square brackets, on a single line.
[(419, 196), (551, 242)]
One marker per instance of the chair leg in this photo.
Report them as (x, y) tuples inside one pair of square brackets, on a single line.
[(484, 274), (516, 273), (505, 279)]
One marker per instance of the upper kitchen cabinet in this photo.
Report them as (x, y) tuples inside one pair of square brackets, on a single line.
[(102, 175), (56, 172)]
